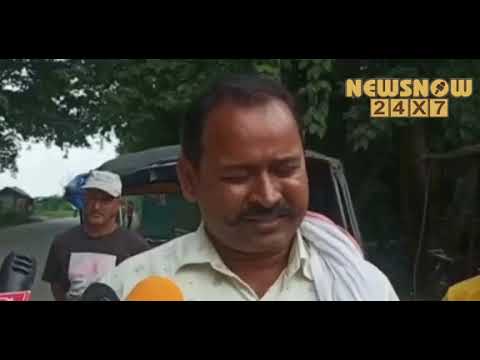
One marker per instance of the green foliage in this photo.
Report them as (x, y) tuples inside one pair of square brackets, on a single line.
[(55, 214), (40, 101), (316, 94), (65, 101), (151, 96), (460, 129), (152, 111), (53, 203), (12, 219)]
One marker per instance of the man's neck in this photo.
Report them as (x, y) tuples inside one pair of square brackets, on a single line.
[(96, 231), (259, 271)]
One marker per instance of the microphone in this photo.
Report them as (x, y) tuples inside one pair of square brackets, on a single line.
[(17, 275), (99, 292), (155, 288)]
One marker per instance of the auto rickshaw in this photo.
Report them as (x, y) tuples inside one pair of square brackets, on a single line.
[(150, 181), (164, 214)]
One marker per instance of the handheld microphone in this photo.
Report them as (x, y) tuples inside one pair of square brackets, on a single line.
[(155, 288), (17, 275), (99, 292)]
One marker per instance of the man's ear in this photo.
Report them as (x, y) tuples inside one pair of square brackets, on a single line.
[(188, 179)]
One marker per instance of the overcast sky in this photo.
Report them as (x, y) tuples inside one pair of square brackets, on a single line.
[(44, 172)]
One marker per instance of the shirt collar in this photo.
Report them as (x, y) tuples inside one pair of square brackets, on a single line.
[(199, 250), (299, 258)]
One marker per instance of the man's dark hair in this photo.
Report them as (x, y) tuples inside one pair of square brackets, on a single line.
[(241, 90)]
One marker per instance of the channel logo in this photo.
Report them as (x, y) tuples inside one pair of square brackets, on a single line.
[(409, 98)]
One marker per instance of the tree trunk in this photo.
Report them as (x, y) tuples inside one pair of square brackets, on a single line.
[(411, 146)]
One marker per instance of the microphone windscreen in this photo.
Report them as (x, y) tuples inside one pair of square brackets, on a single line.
[(156, 288), (17, 273), (99, 292)]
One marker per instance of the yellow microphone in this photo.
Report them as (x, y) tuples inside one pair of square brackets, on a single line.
[(156, 288)]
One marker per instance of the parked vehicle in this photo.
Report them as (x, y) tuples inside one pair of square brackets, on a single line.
[(150, 181)]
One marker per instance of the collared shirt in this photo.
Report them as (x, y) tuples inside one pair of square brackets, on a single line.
[(195, 266)]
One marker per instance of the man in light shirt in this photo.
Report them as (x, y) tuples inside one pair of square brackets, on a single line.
[(243, 163)]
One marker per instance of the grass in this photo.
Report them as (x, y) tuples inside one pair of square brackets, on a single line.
[(12, 219), (54, 214)]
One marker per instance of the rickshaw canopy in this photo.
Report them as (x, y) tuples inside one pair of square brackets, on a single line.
[(146, 167)]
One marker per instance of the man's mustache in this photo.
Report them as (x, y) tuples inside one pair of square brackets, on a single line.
[(261, 212)]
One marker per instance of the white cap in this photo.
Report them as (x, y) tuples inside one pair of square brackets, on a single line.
[(105, 181)]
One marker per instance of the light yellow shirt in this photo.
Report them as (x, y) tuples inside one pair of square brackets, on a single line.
[(194, 265)]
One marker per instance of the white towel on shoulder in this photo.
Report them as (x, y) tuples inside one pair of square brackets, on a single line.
[(339, 268)]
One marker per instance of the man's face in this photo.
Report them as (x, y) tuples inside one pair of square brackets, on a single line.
[(251, 184), (101, 208)]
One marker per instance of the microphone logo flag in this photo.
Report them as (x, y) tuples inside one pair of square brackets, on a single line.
[(16, 296)]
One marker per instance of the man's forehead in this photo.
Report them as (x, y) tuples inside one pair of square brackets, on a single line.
[(228, 111), (232, 126), (99, 193), (269, 130)]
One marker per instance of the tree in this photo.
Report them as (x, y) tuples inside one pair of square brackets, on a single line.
[(387, 152), (64, 101), (44, 100), (150, 97)]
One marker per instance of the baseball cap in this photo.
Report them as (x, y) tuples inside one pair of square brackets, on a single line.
[(105, 181)]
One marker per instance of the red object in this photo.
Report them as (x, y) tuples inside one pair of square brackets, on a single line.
[(16, 296)]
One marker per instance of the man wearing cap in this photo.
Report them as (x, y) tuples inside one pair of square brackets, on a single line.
[(85, 253)]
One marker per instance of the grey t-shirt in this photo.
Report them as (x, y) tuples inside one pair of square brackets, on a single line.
[(76, 260)]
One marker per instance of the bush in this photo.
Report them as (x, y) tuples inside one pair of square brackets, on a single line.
[(53, 203), (12, 218)]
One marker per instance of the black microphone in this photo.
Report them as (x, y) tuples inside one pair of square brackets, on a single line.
[(17, 273), (99, 292)]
